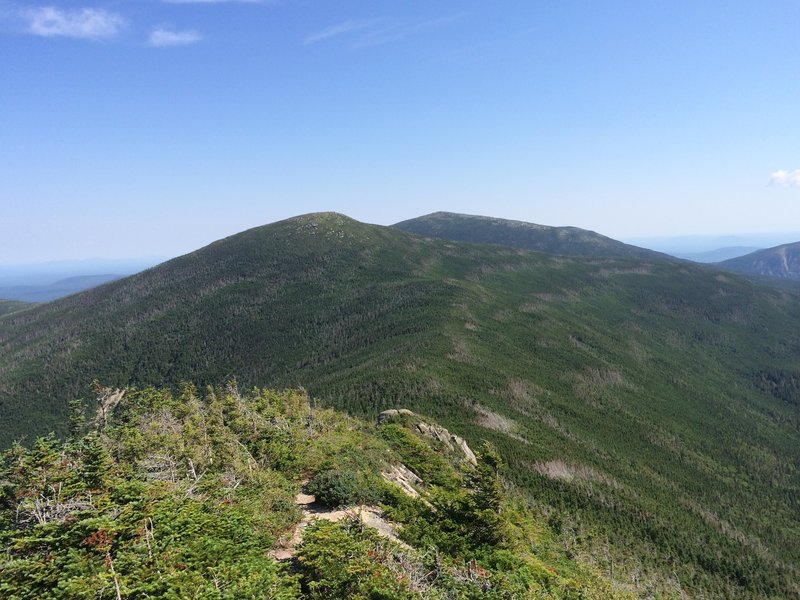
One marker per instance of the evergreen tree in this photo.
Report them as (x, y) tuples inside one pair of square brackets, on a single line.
[(486, 497), (77, 417), (96, 464)]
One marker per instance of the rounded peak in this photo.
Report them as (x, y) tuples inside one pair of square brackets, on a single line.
[(322, 217), (323, 220)]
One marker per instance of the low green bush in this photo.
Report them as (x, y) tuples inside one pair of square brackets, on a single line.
[(338, 487)]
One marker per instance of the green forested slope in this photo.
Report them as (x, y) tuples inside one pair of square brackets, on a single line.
[(191, 495), (571, 241), (647, 409), (781, 261)]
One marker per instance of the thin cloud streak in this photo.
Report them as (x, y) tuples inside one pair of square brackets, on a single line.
[(785, 178), (400, 31), (367, 33), (84, 23), (349, 26), (164, 38)]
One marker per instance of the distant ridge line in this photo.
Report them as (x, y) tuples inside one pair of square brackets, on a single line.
[(567, 240)]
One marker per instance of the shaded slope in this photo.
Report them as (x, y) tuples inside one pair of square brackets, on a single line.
[(571, 241), (647, 407), (780, 261)]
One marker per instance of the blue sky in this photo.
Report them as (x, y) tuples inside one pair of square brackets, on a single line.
[(149, 128)]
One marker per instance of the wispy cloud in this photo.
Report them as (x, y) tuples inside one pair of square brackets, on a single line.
[(364, 33), (164, 38), (399, 31), (85, 23), (785, 178), (349, 26)]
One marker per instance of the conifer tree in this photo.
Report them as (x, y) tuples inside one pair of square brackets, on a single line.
[(77, 417), (96, 462), (487, 495)]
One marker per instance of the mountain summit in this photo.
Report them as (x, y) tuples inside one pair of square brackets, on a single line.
[(571, 241)]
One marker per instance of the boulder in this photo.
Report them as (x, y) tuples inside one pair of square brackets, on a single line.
[(393, 412)]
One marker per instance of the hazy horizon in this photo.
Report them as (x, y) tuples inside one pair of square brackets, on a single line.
[(154, 128), (50, 268)]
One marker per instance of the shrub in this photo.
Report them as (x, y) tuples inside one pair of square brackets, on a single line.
[(340, 560), (338, 487)]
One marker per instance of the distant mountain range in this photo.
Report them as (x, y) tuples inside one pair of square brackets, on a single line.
[(716, 255), (781, 261), (571, 241), (697, 244), (648, 406), (51, 291)]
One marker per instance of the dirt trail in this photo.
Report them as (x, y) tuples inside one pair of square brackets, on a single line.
[(371, 516)]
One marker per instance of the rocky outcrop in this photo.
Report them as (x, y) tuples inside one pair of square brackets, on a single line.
[(403, 477), (451, 441), (393, 412)]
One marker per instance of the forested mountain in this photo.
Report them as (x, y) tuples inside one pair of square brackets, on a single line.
[(571, 241), (263, 495), (780, 261), (648, 409)]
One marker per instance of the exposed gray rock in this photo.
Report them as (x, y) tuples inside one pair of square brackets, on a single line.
[(461, 443), (451, 441), (393, 412), (404, 477)]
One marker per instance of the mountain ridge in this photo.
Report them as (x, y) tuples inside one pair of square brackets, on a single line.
[(780, 261), (634, 401), (572, 241)]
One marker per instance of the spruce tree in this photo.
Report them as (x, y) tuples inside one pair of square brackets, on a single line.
[(96, 462)]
